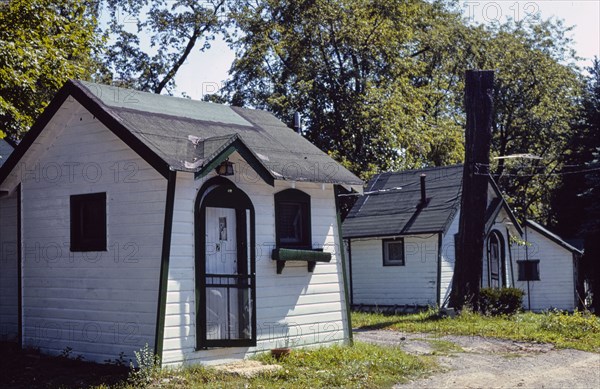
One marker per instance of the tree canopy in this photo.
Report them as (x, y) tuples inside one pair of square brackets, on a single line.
[(174, 28), (354, 71), (378, 83), (537, 91), (43, 43), (572, 201)]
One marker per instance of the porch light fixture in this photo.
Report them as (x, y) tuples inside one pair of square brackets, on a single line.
[(225, 168)]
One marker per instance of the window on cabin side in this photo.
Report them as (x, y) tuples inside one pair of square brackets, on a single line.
[(393, 252), (529, 270), (88, 222), (292, 214)]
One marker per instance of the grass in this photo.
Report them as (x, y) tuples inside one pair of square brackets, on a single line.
[(361, 366), (444, 347), (578, 330)]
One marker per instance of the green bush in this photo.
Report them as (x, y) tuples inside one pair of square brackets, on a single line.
[(504, 301)]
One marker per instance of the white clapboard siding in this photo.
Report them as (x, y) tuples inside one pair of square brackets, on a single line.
[(8, 268), (556, 287), (307, 309), (414, 283), (448, 260), (98, 304)]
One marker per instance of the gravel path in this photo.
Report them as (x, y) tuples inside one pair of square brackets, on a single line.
[(493, 363)]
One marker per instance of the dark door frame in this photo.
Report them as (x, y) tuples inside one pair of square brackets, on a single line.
[(221, 193), (502, 280)]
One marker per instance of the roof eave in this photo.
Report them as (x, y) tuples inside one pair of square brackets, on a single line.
[(509, 211), (236, 144), (90, 102), (556, 239), (386, 236)]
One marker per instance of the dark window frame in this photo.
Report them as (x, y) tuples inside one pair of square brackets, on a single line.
[(79, 241), (385, 252), (524, 274), (294, 197)]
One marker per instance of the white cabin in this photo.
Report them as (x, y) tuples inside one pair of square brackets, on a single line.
[(208, 232), (401, 239), (546, 268)]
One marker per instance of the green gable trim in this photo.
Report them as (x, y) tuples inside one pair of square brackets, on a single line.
[(34, 132), (337, 190), (438, 291), (238, 145), (97, 108), (19, 271), (74, 89), (164, 265)]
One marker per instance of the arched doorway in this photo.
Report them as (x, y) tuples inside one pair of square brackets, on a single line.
[(225, 266), (496, 260)]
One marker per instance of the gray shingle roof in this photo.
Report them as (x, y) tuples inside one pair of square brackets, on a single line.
[(397, 212), (188, 134)]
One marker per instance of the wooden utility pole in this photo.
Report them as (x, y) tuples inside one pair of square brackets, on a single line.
[(479, 85)]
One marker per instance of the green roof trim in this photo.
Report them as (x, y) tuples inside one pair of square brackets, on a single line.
[(228, 147)]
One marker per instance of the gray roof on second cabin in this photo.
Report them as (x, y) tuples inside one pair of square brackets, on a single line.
[(390, 204), (188, 134), (5, 150)]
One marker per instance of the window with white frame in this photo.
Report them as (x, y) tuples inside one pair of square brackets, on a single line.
[(393, 252)]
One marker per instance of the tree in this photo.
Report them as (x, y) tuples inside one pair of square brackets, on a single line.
[(42, 44), (175, 29), (576, 203), (537, 89), (591, 258), (569, 205), (353, 70), (471, 231)]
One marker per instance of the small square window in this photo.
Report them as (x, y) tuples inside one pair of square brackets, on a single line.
[(393, 252), (88, 222), (529, 270), (292, 219)]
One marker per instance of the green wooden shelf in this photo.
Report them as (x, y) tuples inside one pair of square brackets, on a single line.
[(311, 256)]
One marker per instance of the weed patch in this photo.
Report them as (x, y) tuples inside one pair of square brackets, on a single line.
[(578, 330), (444, 347), (361, 366)]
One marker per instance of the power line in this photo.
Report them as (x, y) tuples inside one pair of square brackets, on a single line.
[(540, 174)]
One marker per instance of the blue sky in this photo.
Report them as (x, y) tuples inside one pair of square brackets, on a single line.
[(205, 72)]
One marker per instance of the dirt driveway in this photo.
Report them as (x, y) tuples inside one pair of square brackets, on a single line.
[(476, 362)]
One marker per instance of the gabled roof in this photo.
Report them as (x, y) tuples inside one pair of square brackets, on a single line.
[(186, 135), (390, 205), (553, 237), (502, 204), (6, 150)]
